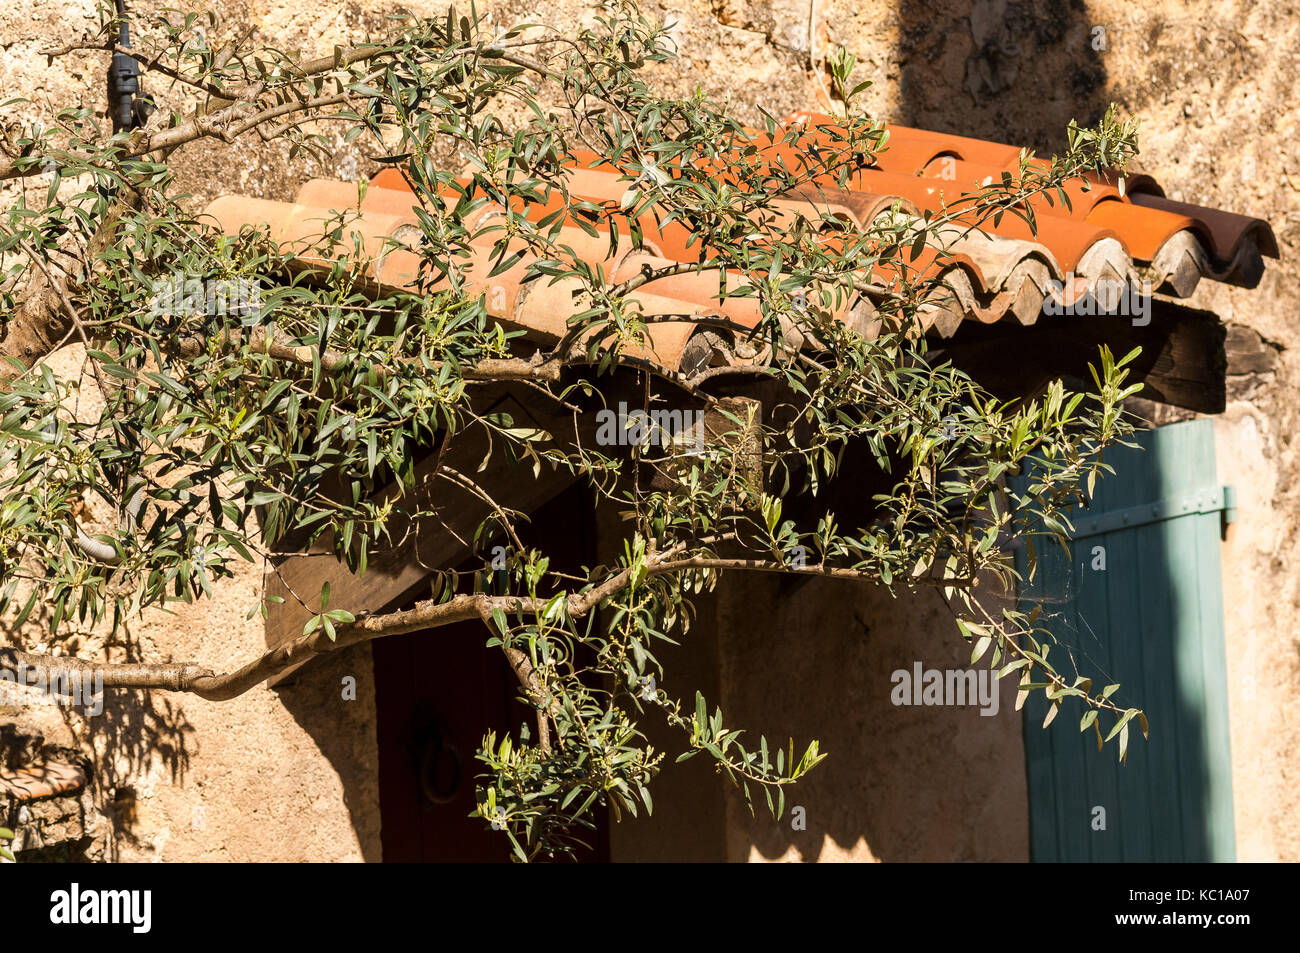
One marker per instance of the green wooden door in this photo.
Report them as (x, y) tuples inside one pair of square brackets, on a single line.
[(1138, 600)]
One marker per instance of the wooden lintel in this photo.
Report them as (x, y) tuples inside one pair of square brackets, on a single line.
[(1182, 361), (443, 540), (446, 539)]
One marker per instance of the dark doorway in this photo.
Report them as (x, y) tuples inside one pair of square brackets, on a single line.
[(437, 694)]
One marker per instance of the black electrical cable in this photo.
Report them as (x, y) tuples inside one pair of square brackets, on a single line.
[(128, 106)]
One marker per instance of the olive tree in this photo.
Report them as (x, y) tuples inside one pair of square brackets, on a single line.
[(222, 433)]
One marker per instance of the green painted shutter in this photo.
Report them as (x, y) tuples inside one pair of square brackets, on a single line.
[(1152, 621)]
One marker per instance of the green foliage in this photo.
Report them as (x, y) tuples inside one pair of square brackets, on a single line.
[(207, 450)]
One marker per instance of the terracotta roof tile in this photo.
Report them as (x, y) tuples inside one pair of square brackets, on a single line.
[(1145, 230), (1230, 234), (41, 781), (1002, 270), (1231, 245)]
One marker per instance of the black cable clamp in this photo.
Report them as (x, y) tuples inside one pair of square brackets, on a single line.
[(128, 106)]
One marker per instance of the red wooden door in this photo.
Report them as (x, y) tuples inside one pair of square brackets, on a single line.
[(438, 692)]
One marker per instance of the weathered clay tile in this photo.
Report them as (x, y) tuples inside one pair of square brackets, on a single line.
[(981, 267), (36, 781)]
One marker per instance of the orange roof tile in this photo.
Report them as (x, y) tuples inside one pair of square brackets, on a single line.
[(998, 269), (38, 781)]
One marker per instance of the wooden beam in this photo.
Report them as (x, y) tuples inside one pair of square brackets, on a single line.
[(441, 541), (446, 539), (1182, 361), (736, 425)]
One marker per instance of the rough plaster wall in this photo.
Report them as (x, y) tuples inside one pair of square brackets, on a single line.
[(272, 775), (1213, 86), (902, 782), (1260, 632)]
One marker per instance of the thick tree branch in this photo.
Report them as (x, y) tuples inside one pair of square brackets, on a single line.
[(532, 686), (204, 683), (424, 615)]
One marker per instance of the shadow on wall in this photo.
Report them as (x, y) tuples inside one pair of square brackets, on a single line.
[(915, 777), (134, 732), (332, 700), (1015, 72), (137, 731), (689, 821), (903, 782)]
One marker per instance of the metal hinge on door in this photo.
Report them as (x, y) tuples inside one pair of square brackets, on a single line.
[(1210, 500)]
